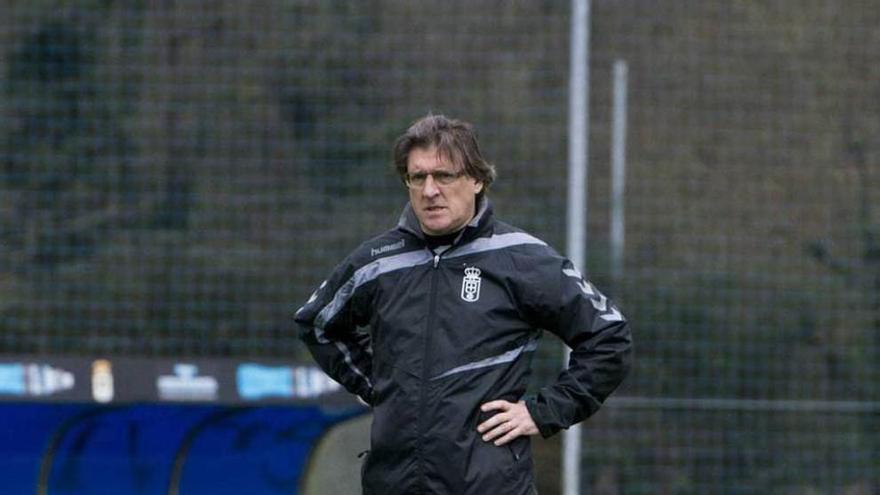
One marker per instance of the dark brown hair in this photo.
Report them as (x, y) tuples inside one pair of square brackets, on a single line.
[(455, 140)]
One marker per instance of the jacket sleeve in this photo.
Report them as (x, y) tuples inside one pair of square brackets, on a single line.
[(328, 325), (556, 297)]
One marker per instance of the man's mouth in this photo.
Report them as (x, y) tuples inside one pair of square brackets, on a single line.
[(434, 208)]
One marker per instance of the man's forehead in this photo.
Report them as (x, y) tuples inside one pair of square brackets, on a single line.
[(431, 157)]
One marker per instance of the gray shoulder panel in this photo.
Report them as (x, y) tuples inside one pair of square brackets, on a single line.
[(365, 274), (498, 241)]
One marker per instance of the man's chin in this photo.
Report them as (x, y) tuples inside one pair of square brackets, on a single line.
[(437, 228)]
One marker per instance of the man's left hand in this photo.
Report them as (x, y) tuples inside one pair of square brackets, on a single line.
[(511, 422)]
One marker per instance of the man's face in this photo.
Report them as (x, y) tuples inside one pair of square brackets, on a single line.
[(440, 208)]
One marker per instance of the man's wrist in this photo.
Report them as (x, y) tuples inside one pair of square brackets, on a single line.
[(534, 408)]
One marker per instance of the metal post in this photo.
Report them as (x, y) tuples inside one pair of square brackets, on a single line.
[(618, 171), (578, 121)]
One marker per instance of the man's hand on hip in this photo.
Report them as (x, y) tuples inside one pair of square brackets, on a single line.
[(511, 422)]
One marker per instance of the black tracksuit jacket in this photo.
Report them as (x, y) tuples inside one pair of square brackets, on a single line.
[(427, 338)]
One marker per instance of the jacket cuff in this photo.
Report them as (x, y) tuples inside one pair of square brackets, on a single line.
[(539, 416)]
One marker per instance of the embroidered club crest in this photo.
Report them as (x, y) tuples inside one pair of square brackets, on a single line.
[(470, 284)]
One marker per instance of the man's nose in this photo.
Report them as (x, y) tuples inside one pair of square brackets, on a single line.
[(430, 188)]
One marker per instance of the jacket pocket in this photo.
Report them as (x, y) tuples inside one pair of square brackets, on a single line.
[(519, 471), (519, 448), (513, 455)]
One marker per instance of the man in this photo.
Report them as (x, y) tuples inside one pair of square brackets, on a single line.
[(453, 301)]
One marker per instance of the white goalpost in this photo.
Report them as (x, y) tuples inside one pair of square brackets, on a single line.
[(578, 121)]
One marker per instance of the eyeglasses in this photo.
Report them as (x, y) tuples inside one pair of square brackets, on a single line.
[(441, 177)]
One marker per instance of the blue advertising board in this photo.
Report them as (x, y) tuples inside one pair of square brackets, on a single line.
[(213, 427)]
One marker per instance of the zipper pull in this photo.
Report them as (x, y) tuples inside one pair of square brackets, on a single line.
[(436, 260)]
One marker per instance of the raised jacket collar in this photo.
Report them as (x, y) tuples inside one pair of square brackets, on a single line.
[(410, 223)]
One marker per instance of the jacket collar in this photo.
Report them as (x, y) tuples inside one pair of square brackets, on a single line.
[(410, 223)]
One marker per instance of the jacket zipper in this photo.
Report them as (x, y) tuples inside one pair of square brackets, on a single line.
[(424, 385)]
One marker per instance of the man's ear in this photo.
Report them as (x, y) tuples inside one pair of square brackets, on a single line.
[(478, 187)]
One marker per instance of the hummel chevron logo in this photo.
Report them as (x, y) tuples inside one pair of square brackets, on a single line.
[(315, 294), (614, 316), (572, 272), (583, 284), (312, 298), (598, 301)]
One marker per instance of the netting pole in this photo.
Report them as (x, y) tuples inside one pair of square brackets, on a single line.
[(578, 121), (618, 171)]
